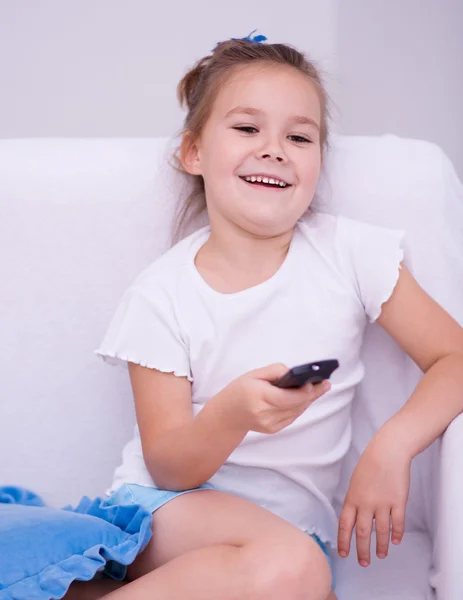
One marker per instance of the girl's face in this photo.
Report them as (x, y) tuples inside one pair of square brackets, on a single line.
[(265, 123)]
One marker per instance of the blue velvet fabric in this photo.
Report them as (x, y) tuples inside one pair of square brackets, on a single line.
[(43, 550)]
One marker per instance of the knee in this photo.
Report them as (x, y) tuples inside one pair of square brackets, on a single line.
[(295, 569)]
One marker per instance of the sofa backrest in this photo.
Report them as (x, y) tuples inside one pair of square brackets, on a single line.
[(79, 218)]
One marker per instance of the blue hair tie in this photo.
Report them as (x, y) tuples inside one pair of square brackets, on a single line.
[(257, 39)]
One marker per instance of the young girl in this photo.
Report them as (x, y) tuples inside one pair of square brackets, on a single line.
[(207, 327)]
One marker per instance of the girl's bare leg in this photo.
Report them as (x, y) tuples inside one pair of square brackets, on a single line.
[(94, 590), (208, 545)]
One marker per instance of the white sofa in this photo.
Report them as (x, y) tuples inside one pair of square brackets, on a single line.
[(79, 218)]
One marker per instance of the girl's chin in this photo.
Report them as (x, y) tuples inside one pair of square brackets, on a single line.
[(267, 225)]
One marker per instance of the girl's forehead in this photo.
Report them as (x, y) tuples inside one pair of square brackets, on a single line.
[(269, 89)]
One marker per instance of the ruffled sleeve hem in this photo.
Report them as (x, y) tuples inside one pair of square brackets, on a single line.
[(390, 266), (144, 330), (372, 257), (120, 360)]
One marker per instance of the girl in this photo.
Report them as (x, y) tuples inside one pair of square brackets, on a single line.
[(206, 328)]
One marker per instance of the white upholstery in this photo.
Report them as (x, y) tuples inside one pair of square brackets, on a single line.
[(80, 218)]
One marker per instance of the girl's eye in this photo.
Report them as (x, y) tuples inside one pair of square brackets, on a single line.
[(299, 139), (246, 129)]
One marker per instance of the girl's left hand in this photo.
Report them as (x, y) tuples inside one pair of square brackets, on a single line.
[(378, 490)]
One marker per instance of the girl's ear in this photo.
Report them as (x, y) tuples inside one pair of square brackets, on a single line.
[(189, 154)]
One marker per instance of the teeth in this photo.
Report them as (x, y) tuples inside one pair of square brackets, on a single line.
[(268, 180)]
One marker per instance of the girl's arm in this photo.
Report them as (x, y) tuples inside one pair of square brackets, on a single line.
[(380, 482), (434, 340), (180, 451)]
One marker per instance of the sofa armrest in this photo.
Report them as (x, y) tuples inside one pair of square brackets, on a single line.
[(448, 573)]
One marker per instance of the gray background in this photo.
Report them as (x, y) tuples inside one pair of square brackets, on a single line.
[(109, 67)]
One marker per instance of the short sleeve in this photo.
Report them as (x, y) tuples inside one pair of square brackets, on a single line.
[(145, 331), (375, 255)]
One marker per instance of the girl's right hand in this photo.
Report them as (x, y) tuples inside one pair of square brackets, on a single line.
[(252, 403)]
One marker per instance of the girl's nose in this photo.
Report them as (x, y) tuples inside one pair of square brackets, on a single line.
[(274, 152), (278, 156)]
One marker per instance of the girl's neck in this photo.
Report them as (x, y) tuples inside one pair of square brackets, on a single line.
[(233, 260)]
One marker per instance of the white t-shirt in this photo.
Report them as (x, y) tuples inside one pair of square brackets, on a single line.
[(336, 275)]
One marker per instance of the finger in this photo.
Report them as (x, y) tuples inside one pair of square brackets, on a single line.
[(270, 372), (363, 527), (286, 417), (321, 388), (307, 388), (296, 407), (398, 524), (302, 405), (283, 423), (383, 531), (345, 529), (312, 391), (293, 399), (299, 398)]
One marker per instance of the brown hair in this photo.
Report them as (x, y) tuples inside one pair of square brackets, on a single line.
[(199, 88)]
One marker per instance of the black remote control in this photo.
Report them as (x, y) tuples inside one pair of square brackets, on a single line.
[(309, 373)]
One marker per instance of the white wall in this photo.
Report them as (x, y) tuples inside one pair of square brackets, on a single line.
[(110, 67), (401, 70)]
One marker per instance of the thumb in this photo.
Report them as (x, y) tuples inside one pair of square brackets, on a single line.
[(270, 372)]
